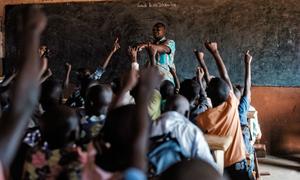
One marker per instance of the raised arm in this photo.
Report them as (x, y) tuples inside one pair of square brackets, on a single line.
[(161, 48), (9, 80), (176, 79), (149, 78), (247, 85), (25, 91), (46, 75), (115, 47), (201, 61), (200, 74), (152, 51), (68, 68), (213, 49)]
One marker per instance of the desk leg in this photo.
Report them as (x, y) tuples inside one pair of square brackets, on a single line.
[(219, 158)]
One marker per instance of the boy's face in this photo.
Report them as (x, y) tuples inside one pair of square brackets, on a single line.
[(158, 32)]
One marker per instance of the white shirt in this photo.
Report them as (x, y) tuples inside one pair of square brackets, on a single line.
[(189, 136)]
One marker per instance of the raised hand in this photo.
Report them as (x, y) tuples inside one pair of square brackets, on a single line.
[(248, 57), (150, 77), (37, 20), (211, 46), (116, 45), (200, 74), (68, 66), (133, 53)]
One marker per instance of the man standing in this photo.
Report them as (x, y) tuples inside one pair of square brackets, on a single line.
[(165, 51)]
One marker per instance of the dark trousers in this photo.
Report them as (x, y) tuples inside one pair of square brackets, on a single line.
[(238, 171)]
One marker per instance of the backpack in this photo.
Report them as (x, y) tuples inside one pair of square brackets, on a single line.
[(164, 151)]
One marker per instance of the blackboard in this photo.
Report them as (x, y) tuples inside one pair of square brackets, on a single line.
[(82, 33)]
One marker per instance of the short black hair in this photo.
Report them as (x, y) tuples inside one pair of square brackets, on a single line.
[(167, 89), (118, 131), (59, 126), (98, 94), (217, 91), (190, 89), (159, 24)]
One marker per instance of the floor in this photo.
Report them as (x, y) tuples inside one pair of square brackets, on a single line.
[(280, 168)]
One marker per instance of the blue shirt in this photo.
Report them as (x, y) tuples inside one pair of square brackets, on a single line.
[(243, 110), (134, 174), (164, 60), (76, 100)]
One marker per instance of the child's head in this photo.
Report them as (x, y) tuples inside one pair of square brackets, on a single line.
[(51, 94), (59, 127), (179, 104), (98, 98), (167, 89), (118, 131), (83, 73), (190, 89), (217, 91)]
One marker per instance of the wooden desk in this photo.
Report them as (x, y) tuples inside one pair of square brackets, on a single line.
[(218, 145)]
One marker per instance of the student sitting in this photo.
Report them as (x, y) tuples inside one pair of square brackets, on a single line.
[(223, 118), (84, 76), (57, 157), (194, 92), (98, 100), (175, 121), (243, 109)]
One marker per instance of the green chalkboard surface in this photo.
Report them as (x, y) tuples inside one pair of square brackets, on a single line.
[(82, 33)]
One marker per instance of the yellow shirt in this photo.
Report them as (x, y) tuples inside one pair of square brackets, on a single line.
[(223, 120), (154, 105)]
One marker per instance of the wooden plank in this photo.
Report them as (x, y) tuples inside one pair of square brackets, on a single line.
[(218, 142)]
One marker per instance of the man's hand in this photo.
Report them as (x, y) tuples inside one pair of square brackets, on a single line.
[(172, 70), (248, 58), (116, 45), (133, 53), (211, 46), (68, 67), (152, 50), (142, 46)]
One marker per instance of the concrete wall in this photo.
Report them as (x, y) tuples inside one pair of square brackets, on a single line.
[(278, 107)]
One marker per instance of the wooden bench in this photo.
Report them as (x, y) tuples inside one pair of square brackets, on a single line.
[(218, 145)]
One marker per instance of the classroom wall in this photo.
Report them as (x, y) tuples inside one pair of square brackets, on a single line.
[(279, 114), (279, 107)]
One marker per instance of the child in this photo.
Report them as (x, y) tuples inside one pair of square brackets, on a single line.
[(56, 157), (223, 118), (98, 100)]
